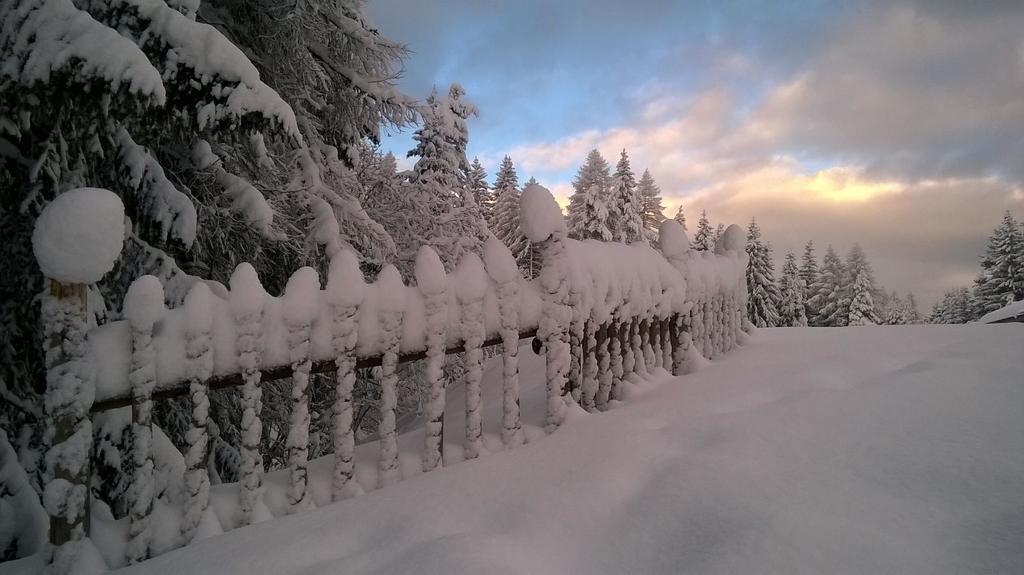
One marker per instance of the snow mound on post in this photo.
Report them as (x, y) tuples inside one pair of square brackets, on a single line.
[(500, 263), (301, 295), (79, 235), (345, 283), (672, 239), (539, 214), (144, 303), (430, 275), (734, 239), (390, 289), (247, 293), (470, 279)]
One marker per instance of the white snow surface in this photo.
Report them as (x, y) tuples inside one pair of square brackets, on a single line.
[(1014, 309), (811, 450), (144, 302), (79, 235)]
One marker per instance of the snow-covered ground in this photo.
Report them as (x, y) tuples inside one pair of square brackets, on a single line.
[(857, 450), (1010, 310)]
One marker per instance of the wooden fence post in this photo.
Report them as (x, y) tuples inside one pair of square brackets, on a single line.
[(247, 300), (300, 308), (344, 293), (433, 284), (199, 357), (391, 294), (143, 307)]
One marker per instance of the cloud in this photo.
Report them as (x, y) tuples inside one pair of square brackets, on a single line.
[(905, 133)]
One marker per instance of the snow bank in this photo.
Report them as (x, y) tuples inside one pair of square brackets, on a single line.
[(813, 451), (1011, 310), (79, 235)]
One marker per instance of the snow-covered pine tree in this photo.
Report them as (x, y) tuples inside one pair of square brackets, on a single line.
[(437, 182), (857, 263), (895, 310), (114, 94), (955, 307), (862, 304), (704, 239), (809, 275), (763, 293), (792, 312), (827, 299), (680, 217), (652, 214), (910, 305), (1001, 280), (589, 211), (625, 205), (505, 219), (482, 193)]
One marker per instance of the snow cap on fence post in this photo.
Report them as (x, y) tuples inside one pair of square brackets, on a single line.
[(199, 308), (471, 279), (79, 235), (499, 261), (247, 294), (391, 290), (430, 276), (345, 283), (734, 239), (144, 303), (673, 240), (300, 296), (539, 214)]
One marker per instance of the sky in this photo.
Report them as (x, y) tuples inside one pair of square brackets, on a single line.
[(898, 125)]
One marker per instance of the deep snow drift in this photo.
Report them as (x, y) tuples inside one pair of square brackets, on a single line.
[(854, 450)]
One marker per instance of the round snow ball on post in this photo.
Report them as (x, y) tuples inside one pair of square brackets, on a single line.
[(539, 214), (144, 303), (672, 239), (247, 294), (430, 276), (499, 261), (79, 235), (470, 279), (300, 296), (734, 239), (345, 283), (390, 290)]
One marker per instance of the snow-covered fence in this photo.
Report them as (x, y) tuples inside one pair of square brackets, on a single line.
[(617, 309)]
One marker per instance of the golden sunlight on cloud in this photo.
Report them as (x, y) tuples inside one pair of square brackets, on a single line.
[(843, 184)]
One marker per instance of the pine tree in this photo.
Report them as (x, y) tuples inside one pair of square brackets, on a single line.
[(505, 221), (625, 206), (680, 217), (704, 239), (827, 299), (763, 294), (954, 308), (589, 211), (856, 264), (912, 314), (438, 181), (895, 311), (809, 275), (1001, 280), (482, 193), (862, 305), (652, 215), (792, 312)]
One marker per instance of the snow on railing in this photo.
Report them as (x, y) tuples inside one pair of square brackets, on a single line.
[(599, 311)]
